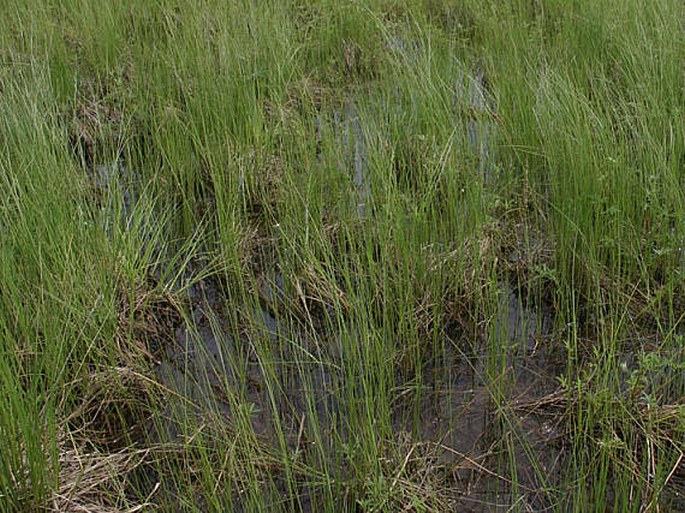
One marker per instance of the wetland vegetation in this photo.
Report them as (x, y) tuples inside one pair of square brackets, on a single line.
[(323, 256)]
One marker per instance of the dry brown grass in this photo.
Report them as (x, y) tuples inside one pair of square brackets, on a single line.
[(94, 482)]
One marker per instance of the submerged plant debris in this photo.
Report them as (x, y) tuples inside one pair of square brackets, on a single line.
[(420, 256)]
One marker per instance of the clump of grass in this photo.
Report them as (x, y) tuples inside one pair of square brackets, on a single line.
[(290, 257), (93, 481)]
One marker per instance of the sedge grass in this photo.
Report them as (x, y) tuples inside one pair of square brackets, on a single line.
[(287, 256)]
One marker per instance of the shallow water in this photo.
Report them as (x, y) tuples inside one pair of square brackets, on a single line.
[(472, 410), (470, 93), (459, 409), (351, 127)]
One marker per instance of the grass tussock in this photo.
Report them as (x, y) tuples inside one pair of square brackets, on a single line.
[(319, 256)]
